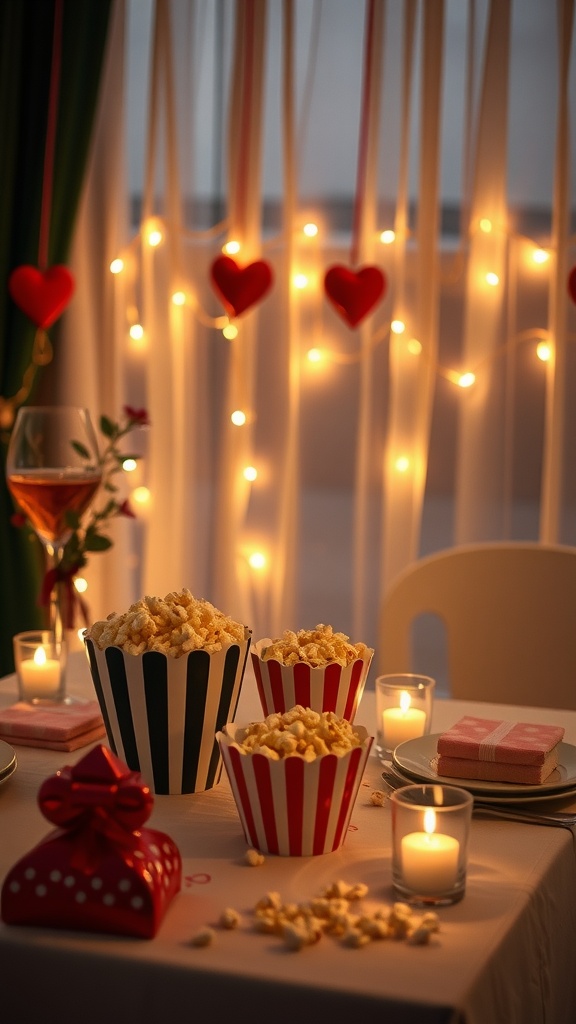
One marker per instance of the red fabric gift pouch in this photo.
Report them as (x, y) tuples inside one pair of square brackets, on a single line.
[(99, 870)]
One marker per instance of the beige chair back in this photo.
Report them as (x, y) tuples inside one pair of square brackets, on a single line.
[(509, 611)]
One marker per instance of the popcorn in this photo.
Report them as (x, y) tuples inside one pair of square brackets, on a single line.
[(254, 858), (174, 625), (378, 798), (229, 918), (204, 937), (315, 647), (299, 731)]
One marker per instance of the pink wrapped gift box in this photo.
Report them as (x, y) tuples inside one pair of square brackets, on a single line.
[(63, 727), (331, 687), (99, 870), (497, 771), (293, 807), (496, 740)]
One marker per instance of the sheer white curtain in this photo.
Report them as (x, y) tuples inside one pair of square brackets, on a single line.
[(445, 124)]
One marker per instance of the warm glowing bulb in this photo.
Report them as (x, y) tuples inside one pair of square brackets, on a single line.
[(136, 332), (250, 473), (81, 585), (257, 560), (486, 225), (492, 279), (544, 351), (405, 701), (179, 298), (141, 495), (466, 380), (154, 237), (310, 230), (314, 355), (387, 237), (414, 347), (540, 256), (231, 247), (230, 331), (117, 266), (429, 821), (398, 326), (402, 463), (300, 281), (39, 656), (238, 418), (129, 465)]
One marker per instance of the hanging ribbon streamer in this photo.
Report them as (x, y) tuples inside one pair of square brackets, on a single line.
[(355, 292), (43, 292)]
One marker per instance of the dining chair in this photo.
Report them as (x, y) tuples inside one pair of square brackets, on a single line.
[(509, 615)]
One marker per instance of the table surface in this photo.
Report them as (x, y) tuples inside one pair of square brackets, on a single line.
[(504, 954)]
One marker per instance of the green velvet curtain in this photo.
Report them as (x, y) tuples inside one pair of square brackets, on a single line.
[(26, 52)]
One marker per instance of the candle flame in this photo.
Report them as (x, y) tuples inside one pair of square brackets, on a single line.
[(429, 821), (405, 701), (39, 656)]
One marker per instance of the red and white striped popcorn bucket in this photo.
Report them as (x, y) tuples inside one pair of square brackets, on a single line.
[(332, 687), (162, 714), (293, 807)]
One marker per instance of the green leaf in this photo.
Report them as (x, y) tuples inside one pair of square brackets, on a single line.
[(81, 449), (72, 519), (108, 427), (97, 542)]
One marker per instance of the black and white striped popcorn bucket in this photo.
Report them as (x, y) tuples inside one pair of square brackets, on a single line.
[(162, 714)]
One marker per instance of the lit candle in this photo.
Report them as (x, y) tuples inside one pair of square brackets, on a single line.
[(429, 860), (402, 723), (40, 676)]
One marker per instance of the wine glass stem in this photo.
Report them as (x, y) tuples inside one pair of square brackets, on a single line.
[(56, 621)]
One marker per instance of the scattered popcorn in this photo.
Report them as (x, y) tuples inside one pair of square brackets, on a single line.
[(329, 913), (205, 937), (378, 798), (173, 625), (254, 858), (229, 918), (316, 647), (299, 731)]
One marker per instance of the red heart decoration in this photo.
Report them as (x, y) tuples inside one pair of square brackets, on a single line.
[(572, 284), (42, 296), (240, 287), (354, 293)]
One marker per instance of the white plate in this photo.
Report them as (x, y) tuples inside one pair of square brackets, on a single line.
[(7, 760), (415, 758)]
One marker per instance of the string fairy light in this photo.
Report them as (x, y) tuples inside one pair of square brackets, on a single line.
[(238, 418)]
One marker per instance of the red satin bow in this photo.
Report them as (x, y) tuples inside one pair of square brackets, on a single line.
[(100, 800)]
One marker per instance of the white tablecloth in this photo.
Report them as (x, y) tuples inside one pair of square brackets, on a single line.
[(504, 955)]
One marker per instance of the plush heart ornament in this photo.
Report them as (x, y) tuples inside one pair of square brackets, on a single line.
[(240, 287), (41, 295), (572, 284), (353, 293)]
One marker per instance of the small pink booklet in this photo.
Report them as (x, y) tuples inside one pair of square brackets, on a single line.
[(497, 750), (61, 727)]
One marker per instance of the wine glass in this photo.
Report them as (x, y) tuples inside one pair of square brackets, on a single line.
[(52, 467)]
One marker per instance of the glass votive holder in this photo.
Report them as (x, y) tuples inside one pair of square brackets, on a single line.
[(40, 662), (403, 709), (430, 830)]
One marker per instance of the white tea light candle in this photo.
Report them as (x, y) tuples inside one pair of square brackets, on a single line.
[(40, 662), (429, 859), (40, 676), (402, 723)]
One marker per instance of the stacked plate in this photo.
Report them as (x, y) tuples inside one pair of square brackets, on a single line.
[(7, 761), (416, 760)]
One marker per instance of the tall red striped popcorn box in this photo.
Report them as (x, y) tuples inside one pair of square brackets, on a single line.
[(293, 807), (331, 687), (162, 714)]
